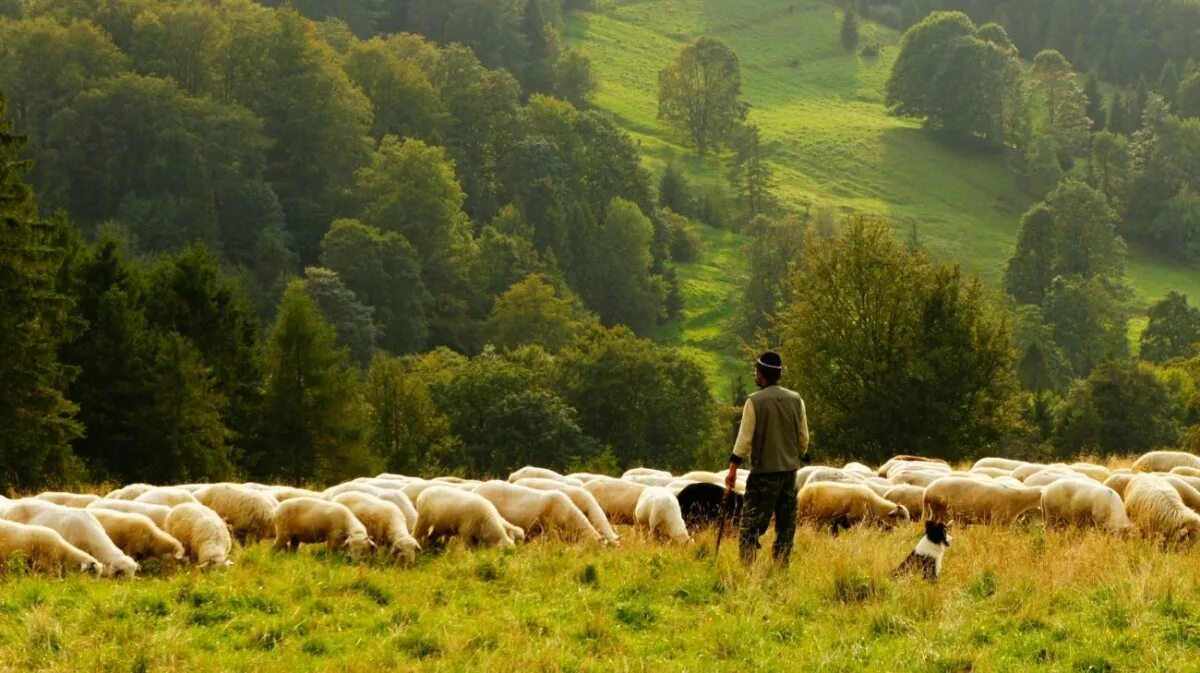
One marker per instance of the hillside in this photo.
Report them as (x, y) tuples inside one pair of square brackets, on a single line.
[(823, 107)]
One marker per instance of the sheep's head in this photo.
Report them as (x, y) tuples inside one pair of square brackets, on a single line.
[(406, 550), (94, 567), (122, 566), (357, 543), (900, 513)]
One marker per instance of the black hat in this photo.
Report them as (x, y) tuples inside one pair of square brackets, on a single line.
[(770, 360)]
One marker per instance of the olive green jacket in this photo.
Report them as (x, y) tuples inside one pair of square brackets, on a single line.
[(774, 431)]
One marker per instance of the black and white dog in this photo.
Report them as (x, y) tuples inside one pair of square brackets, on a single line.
[(927, 557)]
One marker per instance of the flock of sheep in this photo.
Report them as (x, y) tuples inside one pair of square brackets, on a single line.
[(397, 515)]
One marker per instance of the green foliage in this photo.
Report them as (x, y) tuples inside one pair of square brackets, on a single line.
[(407, 429), (774, 251), (1034, 263), (532, 311), (384, 272), (313, 398), (649, 404), (36, 420), (1122, 408), (1173, 330), (895, 353), (849, 33), (1095, 101), (356, 330), (574, 80), (541, 49), (952, 77), (403, 102), (1109, 167), (749, 173), (623, 289), (674, 191), (1188, 100), (700, 92), (1061, 103), (1088, 320)]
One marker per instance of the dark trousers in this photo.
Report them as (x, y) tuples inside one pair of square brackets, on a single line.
[(767, 494)]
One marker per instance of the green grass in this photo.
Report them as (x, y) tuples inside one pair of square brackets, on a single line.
[(823, 108), (1010, 599)]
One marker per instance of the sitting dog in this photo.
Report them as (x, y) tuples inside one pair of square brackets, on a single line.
[(927, 557)]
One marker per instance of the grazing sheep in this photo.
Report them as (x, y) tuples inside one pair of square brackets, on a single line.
[(585, 477), (858, 468), (1194, 482), (1156, 508), (1185, 471), (585, 501), (1051, 475), (1165, 461), (76, 500), (283, 493), (394, 496), (530, 472), (1119, 482), (538, 511), (1096, 472), (78, 527), (658, 509), (645, 472), (249, 513), (191, 488), (705, 477), (1187, 492), (156, 513), (444, 512), (1083, 502), (992, 472), (204, 536), (976, 501), (617, 497), (167, 496), (43, 549), (911, 497), (1008, 481), (844, 505), (312, 520), (877, 484), (1006, 464), (912, 477), (129, 492), (830, 475), (911, 462), (701, 505), (138, 536), (384, 523), (1029, 469), (649, 480)]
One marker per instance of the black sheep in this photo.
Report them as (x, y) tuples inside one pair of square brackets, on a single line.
[(701, 505)]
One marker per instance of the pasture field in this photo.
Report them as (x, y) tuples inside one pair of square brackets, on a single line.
[(822, 108), (1010, 599)]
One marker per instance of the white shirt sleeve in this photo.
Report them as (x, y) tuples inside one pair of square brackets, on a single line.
[(745, 437), (803, 429)]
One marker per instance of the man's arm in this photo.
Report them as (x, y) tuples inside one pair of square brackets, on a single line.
[(741, 446)]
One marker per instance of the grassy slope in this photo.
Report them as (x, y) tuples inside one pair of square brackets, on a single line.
[(836, 144), (1010, 599)]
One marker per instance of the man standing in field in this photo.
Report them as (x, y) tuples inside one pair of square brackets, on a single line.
[(774, 436)]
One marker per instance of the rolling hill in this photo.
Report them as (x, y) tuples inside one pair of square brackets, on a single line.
[(822, 107)]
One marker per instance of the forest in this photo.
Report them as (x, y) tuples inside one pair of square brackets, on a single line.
[(301, 241)]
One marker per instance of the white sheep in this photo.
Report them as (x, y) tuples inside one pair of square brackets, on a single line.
[(167, 496), (1051, 475), (992, 472), (284, 493), (911, 497), (1156, 508), (138, 536), (129, 492), (1165, 461), (1006, 464), (312, 520), (1097, 472), (78, 527), (1029, 469), (394, 496), (384, 523), (530, 472), (658, 510), (76, 500), (977, 501), (648, 479), (249, 513), (1187, 492), (645, 472), (911, 462), (203, 534), (1119, 482), (916, 477), (842, 505), (444, 512), (585, 477), (617, 497), (43, 549), (585, 501), (538, 511), (854, 467), (1185, 471), (1083, 502), (156, 513)]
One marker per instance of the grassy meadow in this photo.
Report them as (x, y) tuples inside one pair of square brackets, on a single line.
[(1009, 599), (822, 108)]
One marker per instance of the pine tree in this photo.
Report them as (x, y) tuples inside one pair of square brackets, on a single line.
[(1118, 121), (541, 54), (1168, 82), (37, 422), (849, 29), (1095, 101), (313, 412)]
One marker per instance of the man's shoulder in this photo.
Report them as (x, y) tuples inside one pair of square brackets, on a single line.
[(775, 391)]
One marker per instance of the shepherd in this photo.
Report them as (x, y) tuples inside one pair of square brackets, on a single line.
[(774, 437)]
